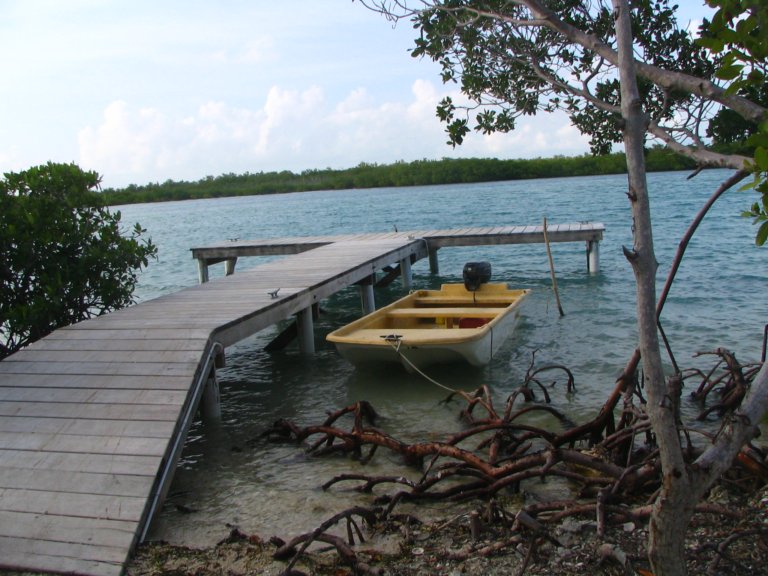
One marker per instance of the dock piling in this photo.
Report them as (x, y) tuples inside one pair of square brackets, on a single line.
[(593, 256), (434, 265), (407, 274), (210, 404), (367, 295), (202, 270), (305, 325)]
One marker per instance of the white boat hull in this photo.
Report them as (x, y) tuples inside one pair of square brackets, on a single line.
[(421, 331), (476, 353)]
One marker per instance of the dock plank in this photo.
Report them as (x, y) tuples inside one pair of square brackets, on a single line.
[(79, 443), (91, 427), (147, 369), (68, 482), (87, 331), (95, 396), (101, 533), (126, 508), (116, 344), (119, 464), (115, 381), (139, 412), (67, 557), (81, 355)]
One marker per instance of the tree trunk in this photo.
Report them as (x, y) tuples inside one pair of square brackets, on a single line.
[(673, 508), (670, 517)]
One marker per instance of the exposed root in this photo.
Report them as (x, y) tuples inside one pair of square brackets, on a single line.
[(613, 466), (344, 548), (721, 548), (730, 383)]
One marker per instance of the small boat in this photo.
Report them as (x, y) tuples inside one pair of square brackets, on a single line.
[(460, 322)]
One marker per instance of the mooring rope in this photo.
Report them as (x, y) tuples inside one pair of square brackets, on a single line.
[(395, 343)]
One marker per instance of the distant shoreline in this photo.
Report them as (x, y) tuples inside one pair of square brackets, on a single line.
[(416, 173)]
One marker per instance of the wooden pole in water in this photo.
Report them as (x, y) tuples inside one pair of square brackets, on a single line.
[(306, 336), (552, 268), (202, 270), (434, 265), (366, 291), (405, 272), (210, 404)]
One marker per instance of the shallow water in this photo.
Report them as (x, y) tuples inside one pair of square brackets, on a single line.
[(231, 476)]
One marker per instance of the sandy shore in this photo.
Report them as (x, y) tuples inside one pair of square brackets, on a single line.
[(716, 544)]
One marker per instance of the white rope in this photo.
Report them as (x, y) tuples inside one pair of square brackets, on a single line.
[(416, 368)]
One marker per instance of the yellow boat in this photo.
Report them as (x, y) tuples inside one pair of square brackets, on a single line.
[(434, 326)]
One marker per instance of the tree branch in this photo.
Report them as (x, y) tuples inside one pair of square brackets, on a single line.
[(667, 79), (707, 157)]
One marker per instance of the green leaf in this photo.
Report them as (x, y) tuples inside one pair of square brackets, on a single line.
[(714, 44), (761, 158), (729, 72), (758, 139), (762, 234)]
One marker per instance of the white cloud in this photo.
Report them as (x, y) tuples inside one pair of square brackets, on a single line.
[(295, 130), (425, 101), (125, 141), (357, 102), (289, 116), (259, 50), (569, 137)]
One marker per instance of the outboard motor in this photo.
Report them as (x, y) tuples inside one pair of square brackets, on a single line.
[(475, 274)]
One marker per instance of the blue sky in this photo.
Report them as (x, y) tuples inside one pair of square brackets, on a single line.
[(144, 91)]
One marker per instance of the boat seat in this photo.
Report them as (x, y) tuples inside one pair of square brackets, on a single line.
[(449, 312), (478, 299)]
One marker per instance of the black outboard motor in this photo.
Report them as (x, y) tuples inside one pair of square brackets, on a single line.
[(476, 273)]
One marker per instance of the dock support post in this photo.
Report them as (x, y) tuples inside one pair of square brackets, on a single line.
[(434, 266), (306, 331), (229, 266), (367, 295), (202, 270), (405, 271), (210, 405), (593, 256)]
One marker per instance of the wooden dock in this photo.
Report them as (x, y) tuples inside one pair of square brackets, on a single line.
[(228, 252), (93, 417)]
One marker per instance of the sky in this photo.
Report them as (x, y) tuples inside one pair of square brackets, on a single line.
[(146, 91)]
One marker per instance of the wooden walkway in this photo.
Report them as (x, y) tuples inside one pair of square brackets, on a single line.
[(93, 417), (229, 252)]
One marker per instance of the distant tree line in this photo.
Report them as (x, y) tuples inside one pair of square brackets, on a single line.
[(416, 173)]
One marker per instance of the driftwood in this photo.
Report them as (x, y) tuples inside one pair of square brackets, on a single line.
[(612, 465)]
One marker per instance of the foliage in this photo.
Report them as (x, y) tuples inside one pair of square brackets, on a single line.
[(509, 65), (512, 59), (728, 128), (739, 33), (416, 173), (63, 255)]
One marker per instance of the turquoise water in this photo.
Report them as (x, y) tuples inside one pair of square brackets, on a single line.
[(230, 476)]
